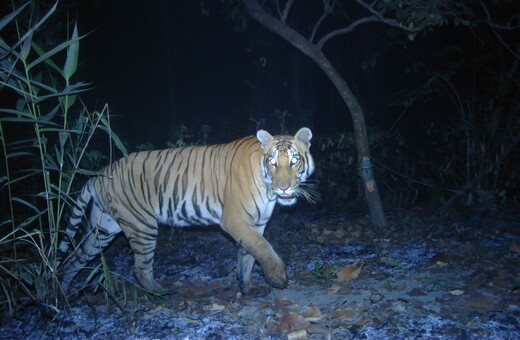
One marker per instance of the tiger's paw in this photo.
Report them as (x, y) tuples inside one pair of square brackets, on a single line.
[(276, 274), (151, 285)]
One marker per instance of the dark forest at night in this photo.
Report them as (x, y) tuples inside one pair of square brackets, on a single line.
[(406, 227)]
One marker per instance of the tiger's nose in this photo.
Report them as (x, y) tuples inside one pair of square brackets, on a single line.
[(283, 186)]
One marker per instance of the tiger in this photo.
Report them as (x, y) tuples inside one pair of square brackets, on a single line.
[(235, 185)]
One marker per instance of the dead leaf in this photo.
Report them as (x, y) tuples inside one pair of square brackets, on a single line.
[(349, 272), (284, 305), (312, 313), (418, 292), (214, 307), (346, 314), (292, 321), (362, 322), (456, 292), (327, 232), (334, 288), (513, 246), (340, 233), (318, 329), (479, 303), (297, 334), (401, 287)]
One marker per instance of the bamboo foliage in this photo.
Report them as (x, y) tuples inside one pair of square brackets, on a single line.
[(45, 133)]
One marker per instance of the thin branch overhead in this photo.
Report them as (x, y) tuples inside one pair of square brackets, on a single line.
[(286, 10), (379, 14), (326, 11), (345, 30)]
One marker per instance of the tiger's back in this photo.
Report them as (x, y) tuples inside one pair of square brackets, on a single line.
[(222, 184), (179, 187)]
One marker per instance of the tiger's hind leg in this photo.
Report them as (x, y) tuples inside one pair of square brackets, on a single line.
[(142, 237), (100, 231)]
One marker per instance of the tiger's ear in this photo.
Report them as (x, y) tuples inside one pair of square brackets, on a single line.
[(304, 136), (264, 137)]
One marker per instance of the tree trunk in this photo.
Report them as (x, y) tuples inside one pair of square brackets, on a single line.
[(308, 48)]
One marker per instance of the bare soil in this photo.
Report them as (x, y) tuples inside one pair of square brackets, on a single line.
[(423, 277)]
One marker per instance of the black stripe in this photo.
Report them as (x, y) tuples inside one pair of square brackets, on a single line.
[(183, 210), (247, 212), (176, 192), (210, 210), (256, 206), (160, 201), (170, 210), (195, 203)]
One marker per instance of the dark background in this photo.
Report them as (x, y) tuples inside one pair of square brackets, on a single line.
[(442, 111), (162, 63)]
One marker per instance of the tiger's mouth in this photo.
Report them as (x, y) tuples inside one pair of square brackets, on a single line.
[(286, 196)]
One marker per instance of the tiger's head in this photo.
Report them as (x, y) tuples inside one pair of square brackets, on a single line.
[(286, 164)]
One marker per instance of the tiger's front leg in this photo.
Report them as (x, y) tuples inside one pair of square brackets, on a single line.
[(255, 247)]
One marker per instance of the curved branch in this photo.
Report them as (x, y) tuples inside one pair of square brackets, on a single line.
[(381, 17), (347, 29), (280, 28), (328, 9), (286, 10), (494, 24)]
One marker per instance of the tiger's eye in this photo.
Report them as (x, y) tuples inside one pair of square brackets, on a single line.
[(294, 160), (272, 161)]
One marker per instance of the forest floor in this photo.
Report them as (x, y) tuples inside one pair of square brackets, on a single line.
[(423, 277)]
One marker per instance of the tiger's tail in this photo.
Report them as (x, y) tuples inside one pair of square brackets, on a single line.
[(77, 214)]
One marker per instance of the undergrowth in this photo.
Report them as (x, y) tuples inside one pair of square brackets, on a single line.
[(45, 133)]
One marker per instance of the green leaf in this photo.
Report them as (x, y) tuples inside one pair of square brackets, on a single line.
[(52, 52), (71, 63), (49, 62), (88, 172), (19, 120), (26, 48), (68, 101), (24, 202), (59, 129), (456, 21), (5, 20), (49, 116), (117, 141), (17, 113), (21, 153), (30, 31), (64, 136), (401, 14)]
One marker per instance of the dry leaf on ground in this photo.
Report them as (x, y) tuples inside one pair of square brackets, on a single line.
[(312, 313), (513, 246), (342, 315), (284, 305), (292, 321), (349, 272), (298, 334)]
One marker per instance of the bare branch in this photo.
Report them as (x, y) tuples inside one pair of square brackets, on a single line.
[(493, 25), (286, 10), (345, 30), (278, 8), (327, 10), (380, 16), (281, 28)]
